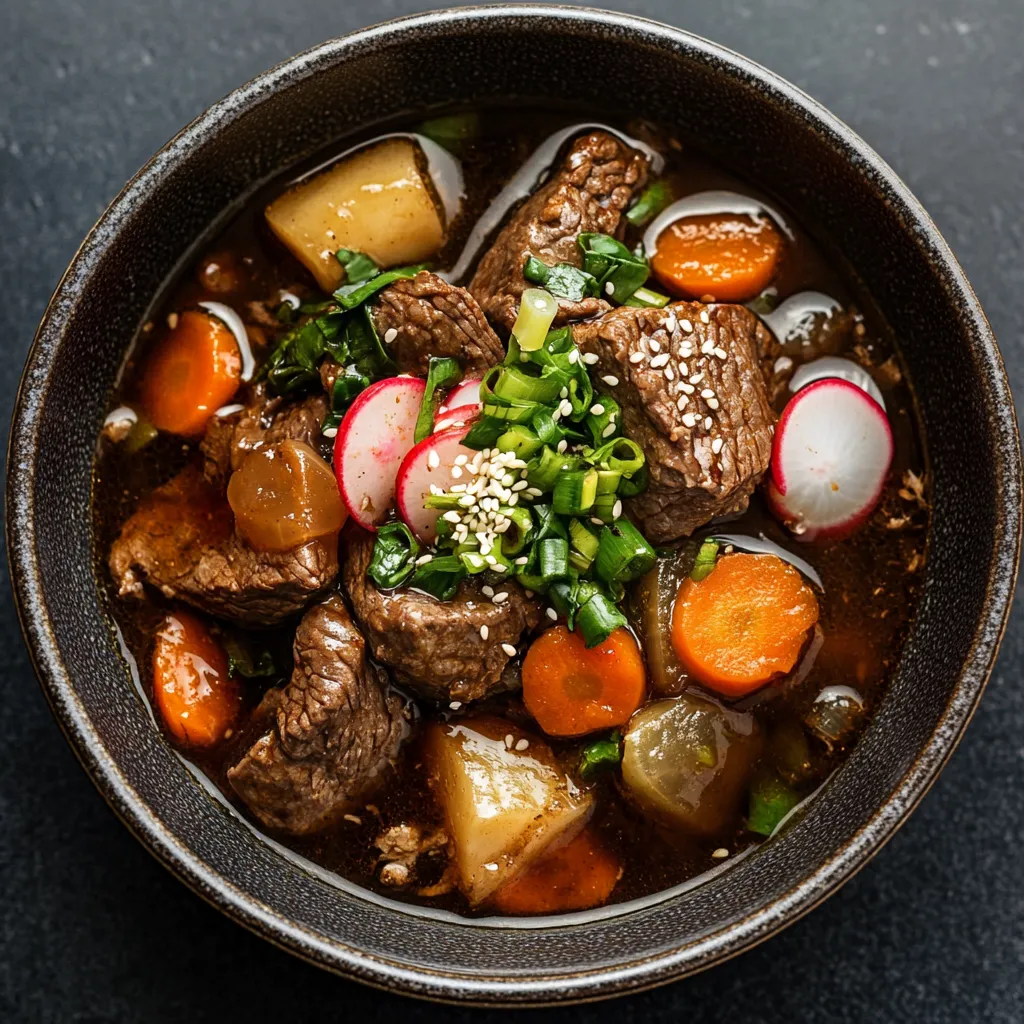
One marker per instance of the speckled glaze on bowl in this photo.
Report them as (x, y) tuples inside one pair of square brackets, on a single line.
[(751, 121)]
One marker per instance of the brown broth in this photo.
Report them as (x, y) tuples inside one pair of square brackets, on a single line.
[(871, 580)]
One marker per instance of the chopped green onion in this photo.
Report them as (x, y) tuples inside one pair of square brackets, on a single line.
[(650, 203), (519, 439), (598, 619), (574, 491), (537, 308), (514, 384), (358, 266), (648, 299), (770, 801), (441, 373), (608, 481), (544, 469), (623, 553), (473, 561), (514, 539), (599, 423), (620, 454), (611, 262), (604, 507), (600, 755), (583, 540), (395, 550), (553, 554), (705, 561), (484, 433), (631, 486)]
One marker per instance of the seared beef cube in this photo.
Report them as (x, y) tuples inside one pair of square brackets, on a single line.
[(436, 647), (264, 420), (588, 192), (693, 396), (433, 318), (332, 732), (182, 541)]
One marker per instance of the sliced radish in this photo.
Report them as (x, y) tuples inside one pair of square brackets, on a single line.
[(457, 417), (832, 451), (373, 438), (465, 393), (834, 366), (430, 463)]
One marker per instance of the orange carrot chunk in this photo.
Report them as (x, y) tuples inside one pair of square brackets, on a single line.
[(197, 696), (577, 876), (193, 372), (732, 257), (572, 690), (744, 624)]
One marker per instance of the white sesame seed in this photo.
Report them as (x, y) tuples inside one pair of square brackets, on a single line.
[(671, 323), (551, 614), (499, 598), (708, 422), (616, 509), (566, 407), (681, 402), (533, 492), (707, 393), (697, 377), (596, 521), (487, 591), (390, 334), (720, 353), (556, 415), (704, 318), (661, 360), (483, 632), (452, 516), (609, 288), (686, 388), (519, 485), (562, 445), (708, 347), (637, 357), (574, 356), (522, 744), (522, 560), (689, 420), (510, 740), (457, 488), (365, 503), (597, 409), (712, 403), (782, 364), (610, 380), (460, 460), (683, 368), (456, 472), (609, 430), (423, 559), (721, 853), (330, 431), (669, 375), (455, 705), (655, 345), (589, 358), (491, 561), (509, 650), (686, 326), (432, 459), (468, 500), (492, 866), (716, 445)]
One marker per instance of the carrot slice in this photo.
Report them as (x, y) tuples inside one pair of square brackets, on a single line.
[(194, 371), (577, 876), (731, 257), (572, 690), (743, 624), (194, 691)]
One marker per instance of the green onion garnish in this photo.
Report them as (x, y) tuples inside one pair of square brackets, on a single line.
[(705, 561)]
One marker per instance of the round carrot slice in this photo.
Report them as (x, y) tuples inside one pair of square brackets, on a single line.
[(194, 691), (579, 875), (732, 257), (743, 624), (572, 690), (192, 373)]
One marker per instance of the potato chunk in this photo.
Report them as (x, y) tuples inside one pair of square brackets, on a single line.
[(504, 806), (686, 762), (380, 200)]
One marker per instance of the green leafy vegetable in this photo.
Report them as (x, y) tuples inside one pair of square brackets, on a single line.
[(600, 755), (441, 373), (563, 279), (619, 272), (354, 294), (650, 203), (770, 801), (705, 561), (394, 556), (358, 266), (440, 577), (246, 659)]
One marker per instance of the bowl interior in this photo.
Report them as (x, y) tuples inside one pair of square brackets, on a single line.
[(752, 123)]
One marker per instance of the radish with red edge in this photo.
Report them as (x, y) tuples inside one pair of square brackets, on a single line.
[(460, 416), (375, 435), (465, 393), (431, 462), (830, 457)]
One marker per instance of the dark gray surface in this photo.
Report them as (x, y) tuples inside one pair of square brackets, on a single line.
[(92, 929)]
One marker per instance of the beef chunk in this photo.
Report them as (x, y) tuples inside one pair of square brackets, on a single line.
[(594, 184), (435, 647), (264, 420), (433, 318), (331, 732), (701, 415), (182, 541)]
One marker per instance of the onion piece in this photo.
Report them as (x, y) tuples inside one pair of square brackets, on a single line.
[(834, 366), (761, 545), (233, 322)]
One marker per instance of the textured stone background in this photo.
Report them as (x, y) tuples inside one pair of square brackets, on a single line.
[(92, 929)]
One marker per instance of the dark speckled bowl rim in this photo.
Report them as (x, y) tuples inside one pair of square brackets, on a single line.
[(635, 976)]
